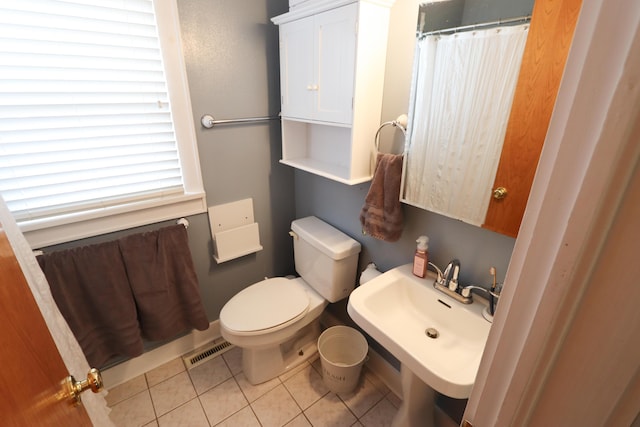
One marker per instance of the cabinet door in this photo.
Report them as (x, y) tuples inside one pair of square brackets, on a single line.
[(336, 58), (297, 65)]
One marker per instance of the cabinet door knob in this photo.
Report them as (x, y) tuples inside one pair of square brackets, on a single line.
[(309, 87), (499, 193)]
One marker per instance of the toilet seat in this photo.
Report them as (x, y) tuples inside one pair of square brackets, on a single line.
[(270, 304)]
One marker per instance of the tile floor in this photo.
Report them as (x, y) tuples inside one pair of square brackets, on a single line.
[(217, 393)]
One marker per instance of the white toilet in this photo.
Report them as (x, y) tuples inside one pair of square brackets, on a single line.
[(276, 321)]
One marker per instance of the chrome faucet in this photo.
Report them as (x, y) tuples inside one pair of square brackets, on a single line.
[(447, 282)]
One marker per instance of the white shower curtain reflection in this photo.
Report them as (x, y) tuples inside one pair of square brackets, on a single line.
[(463, 90)]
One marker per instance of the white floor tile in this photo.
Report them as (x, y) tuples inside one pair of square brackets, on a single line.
[(133, 412), (306, 387), (363, 398), (126, 390), (243, 418), (188, 415), (172, 393), (209, 374), (165, 371), (330, 411), (253, 392), (223, 401), (299, 421), (380, 415), (276, 408)]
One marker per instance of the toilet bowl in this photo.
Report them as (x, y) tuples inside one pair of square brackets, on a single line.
[(276, 321), (269, 315)]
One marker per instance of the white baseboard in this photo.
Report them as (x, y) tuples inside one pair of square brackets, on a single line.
[(152, 359)]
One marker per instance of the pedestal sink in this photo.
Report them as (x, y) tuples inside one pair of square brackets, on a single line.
[(438, 341)]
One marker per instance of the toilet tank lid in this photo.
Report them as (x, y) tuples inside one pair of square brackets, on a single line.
[(324, 237)]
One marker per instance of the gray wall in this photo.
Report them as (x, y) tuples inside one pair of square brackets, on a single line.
[(231, 52)]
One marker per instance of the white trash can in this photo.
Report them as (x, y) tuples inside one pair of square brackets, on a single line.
[(343, 351)]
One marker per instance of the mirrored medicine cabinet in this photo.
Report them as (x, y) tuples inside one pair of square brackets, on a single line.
[(550, 32)]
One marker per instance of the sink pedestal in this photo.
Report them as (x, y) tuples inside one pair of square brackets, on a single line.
[(418, 401)]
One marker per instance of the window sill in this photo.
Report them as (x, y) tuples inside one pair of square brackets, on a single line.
[(100, 221)]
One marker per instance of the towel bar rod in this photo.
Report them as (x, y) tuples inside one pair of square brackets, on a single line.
[(208, 121), (182, 221)]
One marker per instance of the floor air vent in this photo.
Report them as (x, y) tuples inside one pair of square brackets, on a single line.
[(202, 354)]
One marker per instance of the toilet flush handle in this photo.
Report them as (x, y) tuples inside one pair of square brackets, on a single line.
[(293, 234)]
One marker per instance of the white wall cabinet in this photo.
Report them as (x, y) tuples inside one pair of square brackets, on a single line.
[(318, 65), (332, 60)]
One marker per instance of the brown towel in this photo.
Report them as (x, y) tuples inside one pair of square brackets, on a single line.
[(90, 287), (381, 215), (164, 282)]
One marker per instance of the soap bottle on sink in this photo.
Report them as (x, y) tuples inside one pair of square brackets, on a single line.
[(420, 259)]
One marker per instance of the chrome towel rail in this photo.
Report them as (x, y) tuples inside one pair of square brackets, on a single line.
[(400, 123), (209, 121)]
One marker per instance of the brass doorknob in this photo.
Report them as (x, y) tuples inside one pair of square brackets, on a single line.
[(499, 193), (71, 388)]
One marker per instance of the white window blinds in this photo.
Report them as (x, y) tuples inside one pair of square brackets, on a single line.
[(85, 114)]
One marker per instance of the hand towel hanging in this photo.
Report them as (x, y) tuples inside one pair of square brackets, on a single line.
[(381, 216)]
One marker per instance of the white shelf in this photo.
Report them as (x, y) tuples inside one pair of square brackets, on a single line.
[(327, 170)]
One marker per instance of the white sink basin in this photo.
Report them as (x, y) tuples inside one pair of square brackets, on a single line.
[(396, 308)]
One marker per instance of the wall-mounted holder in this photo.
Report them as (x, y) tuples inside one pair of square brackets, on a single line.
[(234, 232)]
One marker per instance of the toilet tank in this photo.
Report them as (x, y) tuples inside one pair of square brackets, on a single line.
[(325, 257)]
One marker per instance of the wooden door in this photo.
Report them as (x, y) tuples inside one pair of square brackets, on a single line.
[(31, 367), (550, 35)]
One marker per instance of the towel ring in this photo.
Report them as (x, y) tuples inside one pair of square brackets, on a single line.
[(400, 123)]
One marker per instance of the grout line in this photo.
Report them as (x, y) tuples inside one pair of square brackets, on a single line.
[(203, 410), (153, 405)]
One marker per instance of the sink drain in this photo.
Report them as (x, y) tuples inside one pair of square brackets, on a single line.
[(432, 333)]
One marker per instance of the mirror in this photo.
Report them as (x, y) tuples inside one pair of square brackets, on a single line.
[(466, 171)]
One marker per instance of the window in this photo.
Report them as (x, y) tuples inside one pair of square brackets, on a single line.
[(96, 130)]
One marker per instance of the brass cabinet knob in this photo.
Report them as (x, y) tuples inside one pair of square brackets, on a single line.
[(499, 193), (71, 388)]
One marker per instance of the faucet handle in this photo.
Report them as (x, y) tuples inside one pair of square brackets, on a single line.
[(453, 283)]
